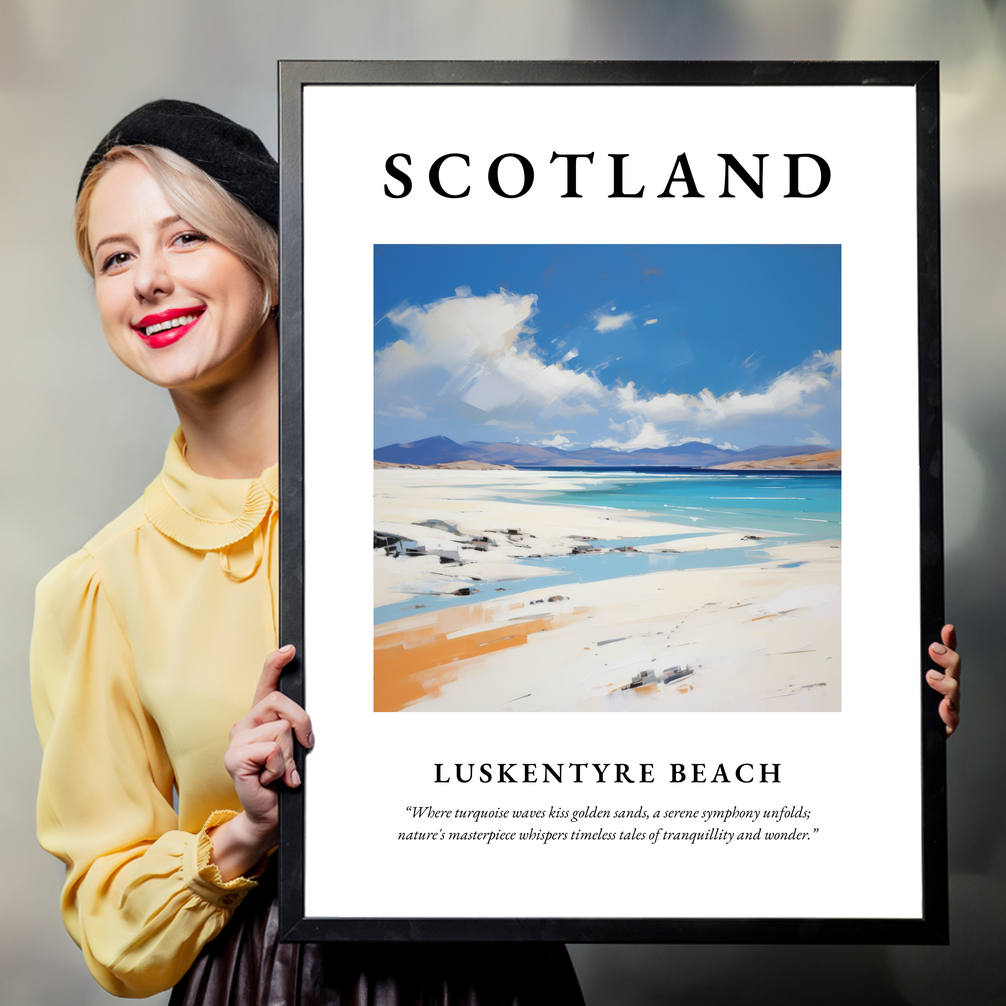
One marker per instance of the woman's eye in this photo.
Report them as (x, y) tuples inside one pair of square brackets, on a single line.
[(114, 261), (190, 238)]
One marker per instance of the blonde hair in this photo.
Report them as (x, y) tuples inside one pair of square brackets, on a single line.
[(199, 200)]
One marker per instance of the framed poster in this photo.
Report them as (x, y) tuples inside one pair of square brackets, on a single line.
[(615, 627)]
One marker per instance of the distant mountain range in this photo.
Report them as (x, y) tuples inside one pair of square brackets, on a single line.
[(826, 460), (440, 450)]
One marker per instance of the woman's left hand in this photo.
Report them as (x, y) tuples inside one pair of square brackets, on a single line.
[(948, 681)]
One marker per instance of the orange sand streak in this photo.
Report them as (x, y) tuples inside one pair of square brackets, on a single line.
[(411, 664)]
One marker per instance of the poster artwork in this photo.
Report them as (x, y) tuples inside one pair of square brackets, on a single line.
[(607, 478)]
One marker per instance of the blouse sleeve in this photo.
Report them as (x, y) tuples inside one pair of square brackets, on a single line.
[(141, 898)]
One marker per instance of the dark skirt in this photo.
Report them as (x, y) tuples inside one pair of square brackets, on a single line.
[(246, 965)]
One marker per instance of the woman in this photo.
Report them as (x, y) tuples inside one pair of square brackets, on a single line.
[(149, 642)]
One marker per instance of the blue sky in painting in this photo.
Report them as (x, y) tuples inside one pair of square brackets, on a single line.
[(608, 345)]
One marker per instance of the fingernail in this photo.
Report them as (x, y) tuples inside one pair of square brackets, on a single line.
[(287, 649), (295, 777), (938, 648), (936, 675), (310, 740)]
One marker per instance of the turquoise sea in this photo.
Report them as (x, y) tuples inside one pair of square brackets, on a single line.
[(790, 502), (796, 506)]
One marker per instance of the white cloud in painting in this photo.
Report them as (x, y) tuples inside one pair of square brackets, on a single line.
[(474, 360), (793, 393), (650, 321), (607, 321), (644, 434), (486, 349), (612, 322), (815, 439)]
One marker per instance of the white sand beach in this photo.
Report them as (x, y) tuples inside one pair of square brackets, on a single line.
[(760, 636)]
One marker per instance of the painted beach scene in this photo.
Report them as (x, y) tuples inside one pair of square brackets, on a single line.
[(607, 478)]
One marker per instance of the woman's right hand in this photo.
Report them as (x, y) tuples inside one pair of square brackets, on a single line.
[(260, 753), (948, 681)]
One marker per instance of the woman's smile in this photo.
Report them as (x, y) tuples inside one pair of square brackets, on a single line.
[(167, 327), (159, 330)]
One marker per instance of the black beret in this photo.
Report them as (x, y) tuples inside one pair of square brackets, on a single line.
[(230, 154)]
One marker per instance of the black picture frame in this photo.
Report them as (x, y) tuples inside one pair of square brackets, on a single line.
[(932, 925)]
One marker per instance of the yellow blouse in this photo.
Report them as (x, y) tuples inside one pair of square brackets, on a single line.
[(147, 647)]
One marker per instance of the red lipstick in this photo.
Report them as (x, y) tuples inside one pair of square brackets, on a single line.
[(166, 327)]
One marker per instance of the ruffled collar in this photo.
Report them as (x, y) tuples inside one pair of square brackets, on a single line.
[(203, 513)]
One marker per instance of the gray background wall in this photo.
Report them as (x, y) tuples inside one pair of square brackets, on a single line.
[(82, 436)]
